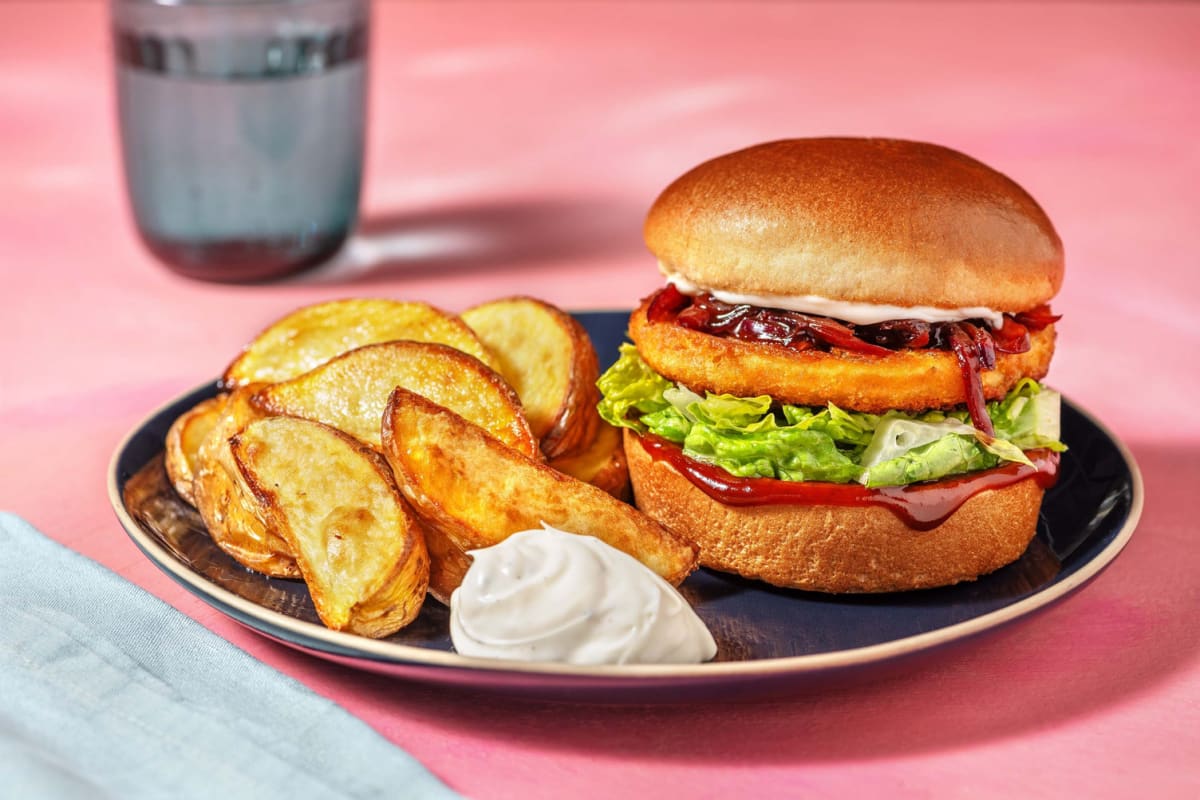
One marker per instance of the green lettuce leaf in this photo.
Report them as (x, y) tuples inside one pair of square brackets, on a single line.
[(670, 423), (630, 385), (1029, 417), (850, 430), (750, 437), (898, 434), (768, 451), (726, 412), (954, 454)]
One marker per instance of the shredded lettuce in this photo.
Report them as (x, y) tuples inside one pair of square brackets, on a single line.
[(630, 385), (752, 437), (898, 435), (949, 455), (1029, 416)]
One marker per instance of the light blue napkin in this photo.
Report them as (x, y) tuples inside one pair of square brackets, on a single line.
[(106, 691)]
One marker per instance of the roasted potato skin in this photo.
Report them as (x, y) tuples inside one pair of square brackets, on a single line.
[(359, 548), (226, 504), (474, 490), (548, 357), (350, 391), (448, 563), (602, 464), (182, 446), (312, 335)]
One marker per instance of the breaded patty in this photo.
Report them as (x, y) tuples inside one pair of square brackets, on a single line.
[(908, 380)]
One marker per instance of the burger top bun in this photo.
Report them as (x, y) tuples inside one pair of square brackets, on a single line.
[(880, 221)]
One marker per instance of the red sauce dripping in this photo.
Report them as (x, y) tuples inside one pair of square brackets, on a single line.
[(921, 506), (974, 345)]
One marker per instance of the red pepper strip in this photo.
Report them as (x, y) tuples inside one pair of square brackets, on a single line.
[(1012, 337), (967, 353), (665, 303), (1037, 318)]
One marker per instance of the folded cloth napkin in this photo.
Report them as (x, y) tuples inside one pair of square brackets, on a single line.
[(105, 691)]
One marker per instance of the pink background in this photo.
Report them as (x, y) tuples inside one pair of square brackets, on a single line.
[(517, 146)]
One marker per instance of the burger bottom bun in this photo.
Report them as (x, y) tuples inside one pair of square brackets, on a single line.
[(837, 549)]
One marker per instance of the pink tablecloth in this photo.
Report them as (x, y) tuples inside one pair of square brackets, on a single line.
[(519, 145)]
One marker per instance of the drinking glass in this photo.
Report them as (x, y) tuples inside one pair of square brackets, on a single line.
[(241, 127)]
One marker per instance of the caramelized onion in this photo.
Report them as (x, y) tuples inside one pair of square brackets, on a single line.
[(970, 363)]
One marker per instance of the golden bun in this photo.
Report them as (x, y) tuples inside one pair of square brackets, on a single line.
[(880, 221), (833, 548)]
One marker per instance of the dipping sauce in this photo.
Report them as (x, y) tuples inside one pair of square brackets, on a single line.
[(548, 595)]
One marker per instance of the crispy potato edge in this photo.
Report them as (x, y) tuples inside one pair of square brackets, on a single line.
[(269, 502), (438, 516)]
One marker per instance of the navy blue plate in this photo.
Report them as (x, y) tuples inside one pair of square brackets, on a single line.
[(767, 636)]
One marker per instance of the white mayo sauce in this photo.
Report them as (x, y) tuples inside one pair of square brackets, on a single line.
[(547, 595), (858, 313)]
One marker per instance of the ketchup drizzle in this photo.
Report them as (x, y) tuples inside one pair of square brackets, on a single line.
[(974, 344), (921, 506)]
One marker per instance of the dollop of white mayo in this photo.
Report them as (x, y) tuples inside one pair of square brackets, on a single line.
[(548, 595), (858, 313)]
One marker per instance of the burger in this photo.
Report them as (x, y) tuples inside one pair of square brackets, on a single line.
[(837, 388)]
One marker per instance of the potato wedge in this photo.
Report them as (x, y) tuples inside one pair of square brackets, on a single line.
[(448, 564), (477, 491), (350, 392), (228, 508), (360, 550), (314, 334), (184, 438), (548, 358), (602, 464)]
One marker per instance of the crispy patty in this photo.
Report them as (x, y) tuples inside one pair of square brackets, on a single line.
[(908, 380)]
